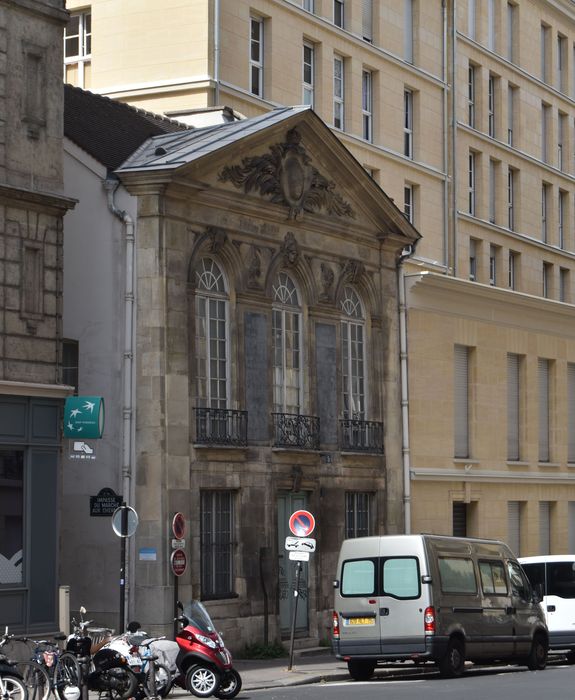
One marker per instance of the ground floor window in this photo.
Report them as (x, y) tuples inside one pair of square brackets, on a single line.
[(357, 514), (11, 515), (217, 543)]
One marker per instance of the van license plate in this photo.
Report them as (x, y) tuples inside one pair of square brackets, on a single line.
[(359, 620)]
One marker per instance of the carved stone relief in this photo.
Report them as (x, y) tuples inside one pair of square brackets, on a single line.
[(287, 177), (327, 279)]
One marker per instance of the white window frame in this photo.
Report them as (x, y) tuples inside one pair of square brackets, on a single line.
[(491, 105), (472, 259), (511, 199), (256, 63), (561, 132), (471, 180), (339, 92), (564, 283), (544, 212), (491, 24), (514, 407), (510, 115), (543, 47), (561, 211), (339, 13), (545, 112), (408, 123), (511, 19), (492, 265), (309, 5), (286, 307), (308, 74), (367, 104), (561, 60), (471, 18), (367, 20), (545, 280), (471, 95), (512, 269), (84, 56), (353, 353), (544, 418), (408, 31), (492, 191), (409, 202)]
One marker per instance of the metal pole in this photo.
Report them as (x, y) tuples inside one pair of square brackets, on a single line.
[(176, 611), (123, 538), (293, 620)]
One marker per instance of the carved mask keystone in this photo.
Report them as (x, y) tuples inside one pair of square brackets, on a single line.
[(290, 250)]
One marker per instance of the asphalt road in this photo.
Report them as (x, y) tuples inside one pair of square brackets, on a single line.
[(477, 684)]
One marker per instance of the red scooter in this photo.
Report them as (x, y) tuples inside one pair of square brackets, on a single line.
[(204, 663)]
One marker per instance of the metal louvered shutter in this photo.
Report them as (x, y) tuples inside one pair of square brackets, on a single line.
[(571, 526), (459, 519), (367, 20), (571, 413), (514, 527), (513, 407), (543, 383), (461, 401), (544, 528)]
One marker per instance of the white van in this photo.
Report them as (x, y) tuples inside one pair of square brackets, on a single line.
[(434, 598), (553, 577)]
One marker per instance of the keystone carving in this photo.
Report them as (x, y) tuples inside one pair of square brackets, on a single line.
[(289, 250), (287, 177), (352, 270)]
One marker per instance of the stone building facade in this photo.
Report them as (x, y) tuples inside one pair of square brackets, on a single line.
[(267, 365), (32, 207)]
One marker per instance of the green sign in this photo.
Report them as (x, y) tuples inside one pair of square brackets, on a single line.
[(84, 417)]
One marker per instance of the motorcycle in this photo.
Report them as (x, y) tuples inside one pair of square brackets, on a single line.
[(203, 662), (140, 649), (107, 671), (11, 681)]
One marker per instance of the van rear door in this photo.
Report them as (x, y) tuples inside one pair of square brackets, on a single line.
[(357, 607)]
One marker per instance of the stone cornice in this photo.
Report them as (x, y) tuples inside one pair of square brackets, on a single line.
[(48, 391), (541, 477), (36, 7), (52, 203)]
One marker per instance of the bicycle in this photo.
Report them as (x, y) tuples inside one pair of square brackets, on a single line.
[(11, 685), (50, 672)]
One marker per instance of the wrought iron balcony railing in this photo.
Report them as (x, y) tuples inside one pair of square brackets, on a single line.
[(221, 426), (295, 430), (361, 435)]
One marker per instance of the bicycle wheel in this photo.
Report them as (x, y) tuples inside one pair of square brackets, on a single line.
[(67, 677), (12, 688), (36, 679), (163, 683)]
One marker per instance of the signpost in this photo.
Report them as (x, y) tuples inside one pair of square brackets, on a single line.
[(178, 560), (301, 524), (124, 524)]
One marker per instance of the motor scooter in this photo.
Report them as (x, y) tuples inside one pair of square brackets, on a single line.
[(204, 663)]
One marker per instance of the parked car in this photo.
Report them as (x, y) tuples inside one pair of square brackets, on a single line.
[(434, 598)]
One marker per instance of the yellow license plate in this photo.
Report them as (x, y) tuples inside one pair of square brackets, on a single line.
[(360, 621)]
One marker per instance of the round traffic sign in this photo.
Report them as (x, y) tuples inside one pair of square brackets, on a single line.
[(131, 522), (178, 561), (302, 523), (179, 526)]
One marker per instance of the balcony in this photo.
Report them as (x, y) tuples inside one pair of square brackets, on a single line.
[(296, 431), (221, 426), (361, 436)]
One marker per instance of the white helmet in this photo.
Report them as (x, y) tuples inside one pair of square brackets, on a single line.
[(72, 692)]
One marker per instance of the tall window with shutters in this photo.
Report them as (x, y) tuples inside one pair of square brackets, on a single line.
[(544, 527), (286, 346), (513, 407), (515, 511), (461, 402), (543, 376), (352, 356), (408, 30), (571, 413), (367, 20)]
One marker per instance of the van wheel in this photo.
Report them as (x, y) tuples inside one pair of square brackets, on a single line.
[(537, 659), (360, 670), (453, 663)]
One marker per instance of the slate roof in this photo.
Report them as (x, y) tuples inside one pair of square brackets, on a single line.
[(169, 151), (108, 130)]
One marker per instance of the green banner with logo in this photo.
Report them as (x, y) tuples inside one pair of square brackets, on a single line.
[(84, 417)]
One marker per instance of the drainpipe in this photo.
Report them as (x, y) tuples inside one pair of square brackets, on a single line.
[(406, 459), (445, 137), (453, 140), (111, 185), (217, 52)]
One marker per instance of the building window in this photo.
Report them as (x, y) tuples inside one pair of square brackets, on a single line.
[(561, 133), (217, 543), (471, 96), (367, 105), (408, 123), (211, 336), (513, 407), (513, 269), (358, 514), (544, 43), (545, 121), (511, 199), (511, 92), (511, 12), (491, 24), (257, 57), (353, 356), (78, 49), (561, 218), (561, 61), (338, 13), (338, 93), (461, 401), (544, 527), (286, 346), (491, 106), (492, 265), (408, 31), (492, 190), (471, 18), (515, 510), (308, 5), (571, 413), (11, 516), (367, 20), (459, 519), (308, 74), (546, 279), (32, 289), (543, 376), (409, 203), (564, 285), (471, 184), (70, 363), (544, 211), (473, 259)]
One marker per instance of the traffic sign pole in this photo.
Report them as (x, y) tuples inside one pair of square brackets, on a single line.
[(294, 615), (178, 530), (123, 538)]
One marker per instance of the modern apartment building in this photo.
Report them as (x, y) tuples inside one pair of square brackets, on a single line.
[(463, 112)]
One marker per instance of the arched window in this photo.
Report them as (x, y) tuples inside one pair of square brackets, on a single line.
[(353, 355), (211, 336), (287, 346)]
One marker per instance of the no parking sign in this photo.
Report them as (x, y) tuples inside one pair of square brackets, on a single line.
[(302, 523)]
